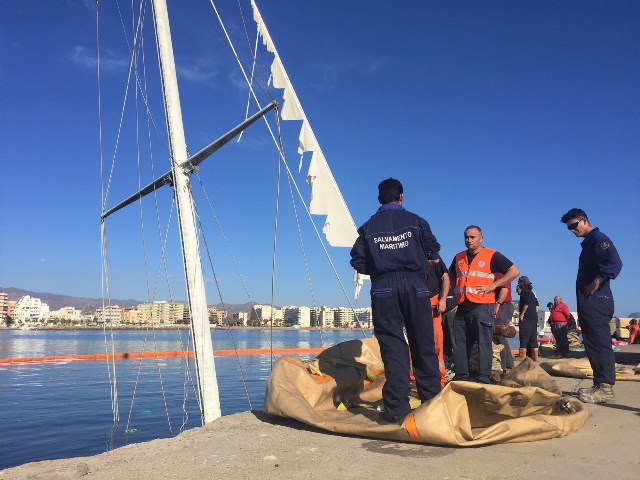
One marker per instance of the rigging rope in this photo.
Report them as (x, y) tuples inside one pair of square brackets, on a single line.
[(228, 247), (215, 277), (284, 161), (106, 291), (137, 55), (136, 58)]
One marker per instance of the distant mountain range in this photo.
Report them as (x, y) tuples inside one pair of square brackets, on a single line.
[(89, 305)]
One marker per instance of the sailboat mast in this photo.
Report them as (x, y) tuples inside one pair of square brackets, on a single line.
[(203, 348)]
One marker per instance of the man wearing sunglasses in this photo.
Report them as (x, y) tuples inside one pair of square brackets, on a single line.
[(599, 263)]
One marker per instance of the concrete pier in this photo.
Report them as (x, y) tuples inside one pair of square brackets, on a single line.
[(254, 445)]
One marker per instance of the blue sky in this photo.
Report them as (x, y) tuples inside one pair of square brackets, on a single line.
[(495, 113)]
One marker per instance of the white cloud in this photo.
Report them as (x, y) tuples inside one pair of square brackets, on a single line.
[(197, 73), (85, 58)]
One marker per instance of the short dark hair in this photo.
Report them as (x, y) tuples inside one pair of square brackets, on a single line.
[(549, 305), (573, 213), (389, 190), (473, 226)]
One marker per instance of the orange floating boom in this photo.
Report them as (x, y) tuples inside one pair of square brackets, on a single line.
[(122, 356)]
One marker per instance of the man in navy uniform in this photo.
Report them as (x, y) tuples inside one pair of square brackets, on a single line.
[(599, 263), (394, 248)]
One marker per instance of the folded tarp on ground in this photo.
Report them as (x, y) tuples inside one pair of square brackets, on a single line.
[(338, 390), (581, 368)]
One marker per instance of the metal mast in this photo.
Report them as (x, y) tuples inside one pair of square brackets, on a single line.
[(203, 348)]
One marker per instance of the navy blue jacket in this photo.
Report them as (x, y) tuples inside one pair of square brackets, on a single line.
[(394, 240), (598, 257)]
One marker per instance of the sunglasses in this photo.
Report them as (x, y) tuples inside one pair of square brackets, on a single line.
[(574, 225)]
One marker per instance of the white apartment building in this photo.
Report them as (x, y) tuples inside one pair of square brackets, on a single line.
[(296, 317), (68, 314), (30, 309), (4, 305), (162, 312), (343, 317), (265, 313), (110, 315), (322, 317), (242, 318)]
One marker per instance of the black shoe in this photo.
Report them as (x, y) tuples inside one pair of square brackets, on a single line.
[(459, 378), (386, 418)]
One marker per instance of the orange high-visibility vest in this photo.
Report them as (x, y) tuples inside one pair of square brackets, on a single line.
[(470, 277)]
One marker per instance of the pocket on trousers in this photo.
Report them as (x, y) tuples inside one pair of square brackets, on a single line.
[(487, 319), (422, 292), (381, 293)]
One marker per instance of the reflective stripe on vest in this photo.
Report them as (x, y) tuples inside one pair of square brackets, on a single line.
[(470, 277)]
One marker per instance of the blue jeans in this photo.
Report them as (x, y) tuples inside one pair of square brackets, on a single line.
[(474, 323)]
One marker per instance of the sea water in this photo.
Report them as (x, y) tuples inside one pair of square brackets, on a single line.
[(66, 408)]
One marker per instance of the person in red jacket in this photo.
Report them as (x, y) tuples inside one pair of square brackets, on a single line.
[(558, 320), (633, 328)]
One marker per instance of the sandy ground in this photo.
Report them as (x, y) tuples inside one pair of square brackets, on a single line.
[(254, 445)]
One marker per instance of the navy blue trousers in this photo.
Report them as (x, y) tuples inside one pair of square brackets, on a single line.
[(474, 323), (529, 334), (398, 301), (594, 314)]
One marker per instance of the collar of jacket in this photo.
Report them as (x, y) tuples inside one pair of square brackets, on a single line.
[(389, 206)]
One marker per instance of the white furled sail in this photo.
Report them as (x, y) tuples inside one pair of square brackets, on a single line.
[(326, 199)]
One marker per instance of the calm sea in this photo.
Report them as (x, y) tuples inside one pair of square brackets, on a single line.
[(64, 409)]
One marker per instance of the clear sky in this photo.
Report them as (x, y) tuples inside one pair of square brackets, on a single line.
[(495, 113)]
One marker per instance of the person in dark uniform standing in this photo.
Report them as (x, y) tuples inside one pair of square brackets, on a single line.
[(394, 247), (472, 271), (528, 320), (599, 263)]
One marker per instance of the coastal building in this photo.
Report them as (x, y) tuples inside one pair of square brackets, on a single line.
[(241, 319), (133, 316), (30, 309), (4, 305), (69, 315), (109, 315), (217, 316), (322, 317), (343, 317), (363, 317), (162, 312), (296, 317), (11, 307), (266, 314)]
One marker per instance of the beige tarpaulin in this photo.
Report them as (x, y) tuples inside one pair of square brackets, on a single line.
[(339, 389), (581, 368)]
